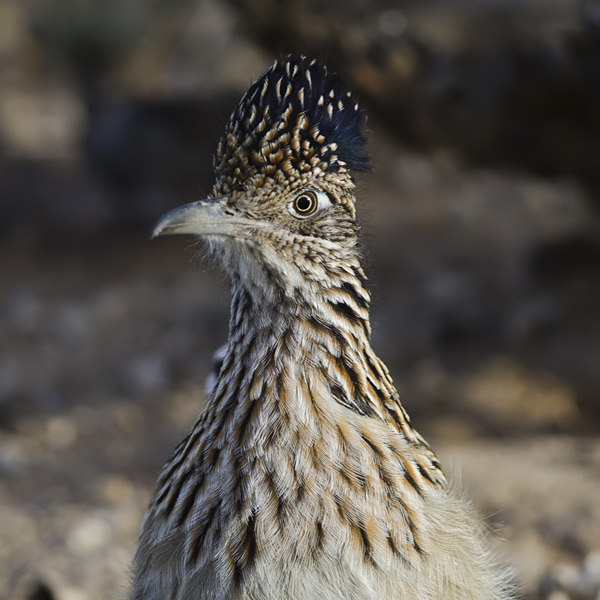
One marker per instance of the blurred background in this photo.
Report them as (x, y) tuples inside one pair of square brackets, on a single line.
[(481, 234)]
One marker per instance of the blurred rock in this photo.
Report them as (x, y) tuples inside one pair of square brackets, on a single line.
[(574, 582), (508, 398), (146, 374), (89, 533), (61, 432), (32, 121)]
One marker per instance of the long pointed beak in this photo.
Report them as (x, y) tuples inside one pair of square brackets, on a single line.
[(205, 217)]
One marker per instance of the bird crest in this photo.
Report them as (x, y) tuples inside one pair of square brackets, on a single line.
[(294, 119)]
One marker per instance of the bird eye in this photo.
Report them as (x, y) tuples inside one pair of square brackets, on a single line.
[(305, 204), (309, 202)]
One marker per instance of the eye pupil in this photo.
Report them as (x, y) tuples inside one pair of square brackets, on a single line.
[(304, 203)]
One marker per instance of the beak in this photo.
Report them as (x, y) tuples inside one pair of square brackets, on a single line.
[(205, 217)]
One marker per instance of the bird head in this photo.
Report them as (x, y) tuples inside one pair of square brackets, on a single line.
[(284, 191)]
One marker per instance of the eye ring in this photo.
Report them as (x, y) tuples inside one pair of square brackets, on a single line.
[(306, 203)]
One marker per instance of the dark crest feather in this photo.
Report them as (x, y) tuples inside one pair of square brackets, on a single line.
[(274, 106)]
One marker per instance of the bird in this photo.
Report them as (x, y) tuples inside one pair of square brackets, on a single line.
[(302, 477)]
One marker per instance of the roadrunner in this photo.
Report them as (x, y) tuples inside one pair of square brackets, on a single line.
[(302, 478)]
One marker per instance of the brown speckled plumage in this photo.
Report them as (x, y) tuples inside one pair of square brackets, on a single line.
[(302, 478)]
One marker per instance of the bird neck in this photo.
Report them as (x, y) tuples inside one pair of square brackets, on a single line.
[(300, 397), (307, 344), (331, 295), (300, 368)]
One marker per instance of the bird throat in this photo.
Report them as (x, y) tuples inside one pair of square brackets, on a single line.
[(282, 345)]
